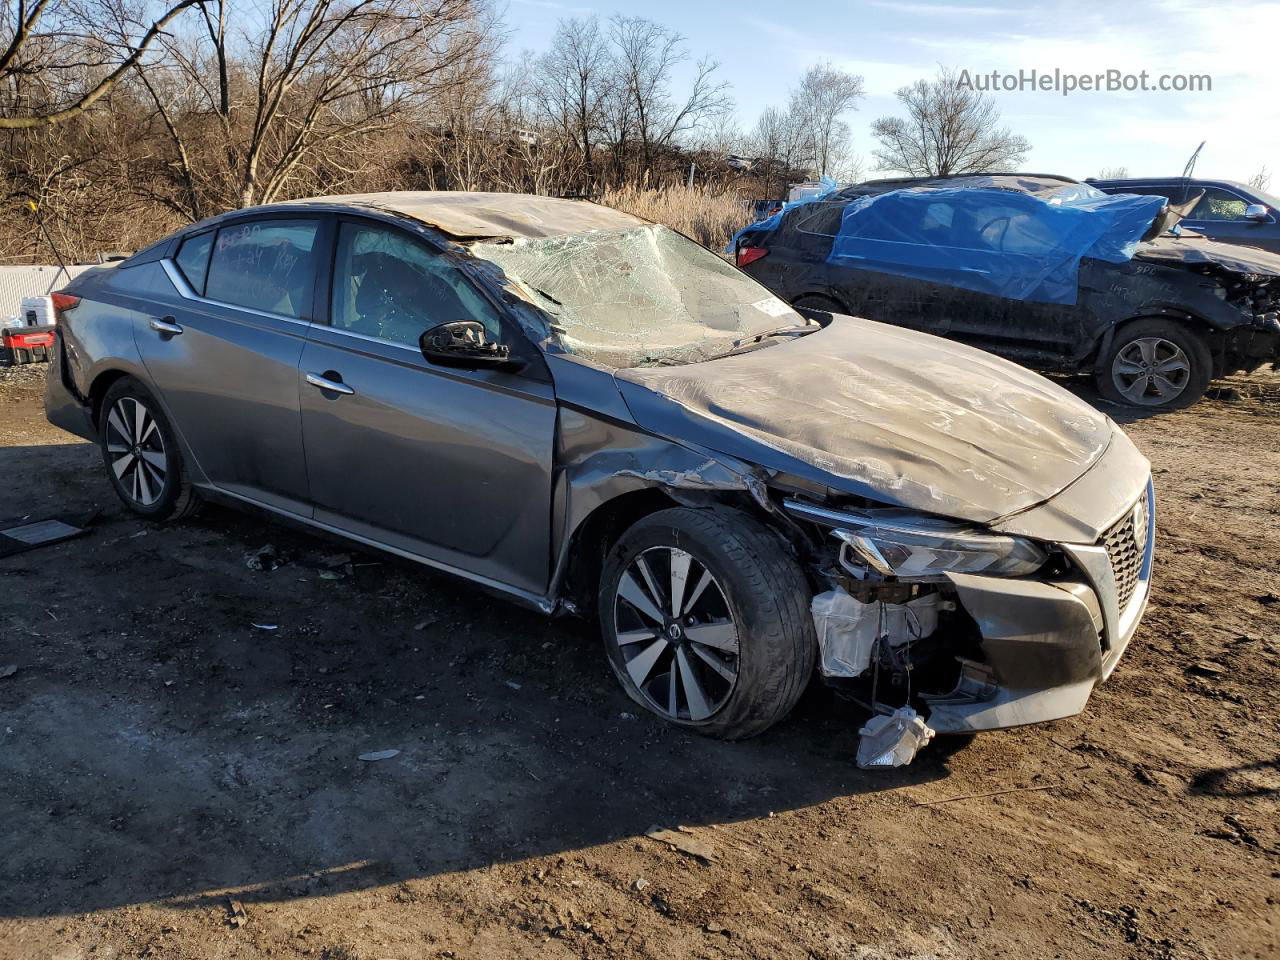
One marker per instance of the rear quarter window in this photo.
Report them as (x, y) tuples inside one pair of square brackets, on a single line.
[(193, 260), (819, 218)]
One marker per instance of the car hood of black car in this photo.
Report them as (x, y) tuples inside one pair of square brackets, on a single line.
[(1195, 250), (874, 410)]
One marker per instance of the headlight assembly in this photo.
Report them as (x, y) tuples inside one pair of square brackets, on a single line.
[(899, 543)]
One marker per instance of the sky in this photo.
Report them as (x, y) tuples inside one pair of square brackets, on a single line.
[(765, 47)]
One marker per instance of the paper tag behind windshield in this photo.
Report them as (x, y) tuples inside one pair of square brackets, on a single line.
[(772, 306)]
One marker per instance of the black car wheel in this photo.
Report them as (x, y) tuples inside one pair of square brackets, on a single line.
[(1155, 363), (141, 452), (706, 622)]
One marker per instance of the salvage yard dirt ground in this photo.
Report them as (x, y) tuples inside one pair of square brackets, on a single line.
[(176, 782)]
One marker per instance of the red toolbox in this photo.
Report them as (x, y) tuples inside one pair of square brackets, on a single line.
[(28, 344)]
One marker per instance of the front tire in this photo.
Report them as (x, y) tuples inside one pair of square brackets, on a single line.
[(706, 622), (1155, 364), (141, 454)]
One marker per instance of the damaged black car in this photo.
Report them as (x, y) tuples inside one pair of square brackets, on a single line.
[(589, 413), (1043, 270)]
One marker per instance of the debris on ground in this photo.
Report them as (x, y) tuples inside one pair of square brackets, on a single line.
[(681, 839), (235, 913), (892, 740), (512, 684), (264, 559), (983, 796), (1207, 668), (8, 670), (265, 626), (379, 755), (21, 534)]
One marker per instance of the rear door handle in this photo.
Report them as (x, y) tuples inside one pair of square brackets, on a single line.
[(165, 325), (333, 386)]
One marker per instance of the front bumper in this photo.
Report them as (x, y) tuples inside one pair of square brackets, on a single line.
[(1047, 644)]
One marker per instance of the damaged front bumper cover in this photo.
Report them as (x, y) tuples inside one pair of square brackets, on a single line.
[(1046, 643)]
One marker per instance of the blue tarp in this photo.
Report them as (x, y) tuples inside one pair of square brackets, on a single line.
[(1008, 244)]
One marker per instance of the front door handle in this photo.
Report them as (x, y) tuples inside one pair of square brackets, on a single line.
[(333, 386), (165, 325)]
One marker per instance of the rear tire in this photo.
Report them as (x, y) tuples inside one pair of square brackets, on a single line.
[(141, 453), (1155, 364), (733, 655)]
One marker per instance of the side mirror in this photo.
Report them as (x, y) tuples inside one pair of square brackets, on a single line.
[(1258, 212), (464, 343)]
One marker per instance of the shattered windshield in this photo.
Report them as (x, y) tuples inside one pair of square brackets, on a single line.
[(639, 297)]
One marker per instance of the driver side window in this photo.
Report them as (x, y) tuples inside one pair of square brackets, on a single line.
[(1219, 205), (388, 285)]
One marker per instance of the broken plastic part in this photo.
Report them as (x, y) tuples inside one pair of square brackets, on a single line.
[(892, 740), (848, 629)]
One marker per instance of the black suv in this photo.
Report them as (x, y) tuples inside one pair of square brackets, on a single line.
[(1222, 210), (1043, 270)]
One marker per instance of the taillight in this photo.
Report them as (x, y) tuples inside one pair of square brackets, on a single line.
[(750, 255), (64, 301)]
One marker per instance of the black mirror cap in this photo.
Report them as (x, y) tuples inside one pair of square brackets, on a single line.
[(466, 343)]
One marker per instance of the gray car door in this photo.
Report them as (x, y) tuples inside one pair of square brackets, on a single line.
[(447, 464), (224, 353)]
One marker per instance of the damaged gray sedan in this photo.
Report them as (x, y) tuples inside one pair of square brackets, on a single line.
[(587, 412)]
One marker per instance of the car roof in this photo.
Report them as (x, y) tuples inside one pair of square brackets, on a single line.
[(1171, 182), (1018, 182), (472, 215)]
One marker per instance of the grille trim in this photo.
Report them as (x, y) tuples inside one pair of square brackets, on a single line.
[(1124, 551)]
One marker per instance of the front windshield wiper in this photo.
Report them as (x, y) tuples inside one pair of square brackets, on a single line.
[(789, 330), (746, 344)]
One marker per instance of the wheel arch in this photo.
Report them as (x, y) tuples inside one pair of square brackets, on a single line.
[(821, 295), (1184, 318), (102, 382), (593, 538)]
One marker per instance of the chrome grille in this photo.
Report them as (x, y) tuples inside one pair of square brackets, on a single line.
[(1125, 544)]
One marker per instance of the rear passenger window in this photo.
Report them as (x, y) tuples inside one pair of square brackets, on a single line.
[(265, 264), (820, 217), (193, 260)]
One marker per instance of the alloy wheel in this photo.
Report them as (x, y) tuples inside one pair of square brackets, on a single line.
[(676, 636), (1151, 371), (135, 448)]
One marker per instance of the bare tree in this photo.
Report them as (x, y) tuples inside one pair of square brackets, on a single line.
[(645, 54), (574, 77), (1261, 180), (949, 128), (239, 102), (1113, 173), (824, 96), (57, 62), (249, 115), (775, 142)]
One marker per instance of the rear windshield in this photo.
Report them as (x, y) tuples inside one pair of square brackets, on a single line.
[(639, 297)]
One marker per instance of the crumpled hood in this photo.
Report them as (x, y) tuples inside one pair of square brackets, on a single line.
[(1192, 251), (874, 410)]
